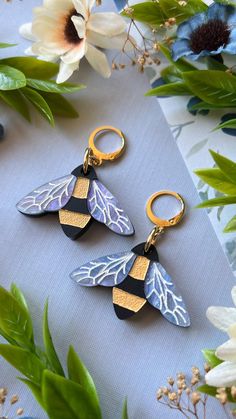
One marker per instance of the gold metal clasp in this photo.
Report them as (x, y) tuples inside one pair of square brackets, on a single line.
[(99, 155), (160, 223)]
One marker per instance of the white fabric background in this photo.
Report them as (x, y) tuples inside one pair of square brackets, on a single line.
[(125, 358)]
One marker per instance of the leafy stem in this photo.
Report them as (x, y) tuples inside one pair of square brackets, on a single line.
[(62, 397)]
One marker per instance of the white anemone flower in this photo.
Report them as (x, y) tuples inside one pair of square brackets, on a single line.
[(66, 30), (224, 318)]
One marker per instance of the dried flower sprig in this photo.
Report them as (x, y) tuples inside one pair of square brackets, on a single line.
[(7, 402), (182, 394)]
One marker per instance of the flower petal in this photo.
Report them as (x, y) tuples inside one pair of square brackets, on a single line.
[(227, 351), (220, 11), (186, 29), (224, 375), (66, 70), (79, 24), (25, 30), (80, 7), (108, 24), (181, 48), (221, 317), (116, 42), (98, 61), (75, 54)]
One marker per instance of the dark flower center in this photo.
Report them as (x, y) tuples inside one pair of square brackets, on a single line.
[(70, 31), (210, 36)]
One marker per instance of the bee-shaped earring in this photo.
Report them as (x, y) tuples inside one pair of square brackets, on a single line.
[(80, 197), (137, 276)]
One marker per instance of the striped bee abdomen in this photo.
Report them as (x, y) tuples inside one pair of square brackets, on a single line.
[(75, 218), (129, 297)]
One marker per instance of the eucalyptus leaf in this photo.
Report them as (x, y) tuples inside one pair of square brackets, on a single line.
[(125, 410), (59, 105), (227, 166), (212, 86), (211, 358), (24, 361), (15, 321), (228, 124), (19, 296), (32, 67), (16, 101), (216, 202), (52, 87), (78, 373), (230, 226), (217, 180), (39, 102), (65, 399), (171, 89), (49, 347), (35, 389), (10, 78)]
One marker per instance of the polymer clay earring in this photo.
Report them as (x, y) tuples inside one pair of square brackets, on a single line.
[(80, 198), (137, 277)]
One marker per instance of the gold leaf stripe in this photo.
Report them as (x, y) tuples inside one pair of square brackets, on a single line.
[(74, 219), (81, 188), (139, 268), (127, 300)]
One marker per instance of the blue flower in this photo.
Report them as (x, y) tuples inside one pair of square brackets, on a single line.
[(207, 33)]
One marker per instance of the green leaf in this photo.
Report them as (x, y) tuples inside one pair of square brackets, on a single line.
[(78, 372), (227, 166), (10, 78), (147, 12), (24, 361), (52, 87), (173, 8), (125, 410), (40, 103), (15, 320), (228, 124), (216, 202), (212, 86), (230, 226), (19, 296), (214, 64), (16, 101), (211, 358), (59, 105), (182, 65), (217, 180), (206, 106), (65, 399), (35, 389), (211, 391), (6, 45), (32, 67), (171, 74), (7, 338), (171, 89), (49, 347)]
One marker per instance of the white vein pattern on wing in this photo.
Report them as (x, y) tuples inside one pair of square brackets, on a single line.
[(161, 293), (106, 271), (49, 197), (104, 207)]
